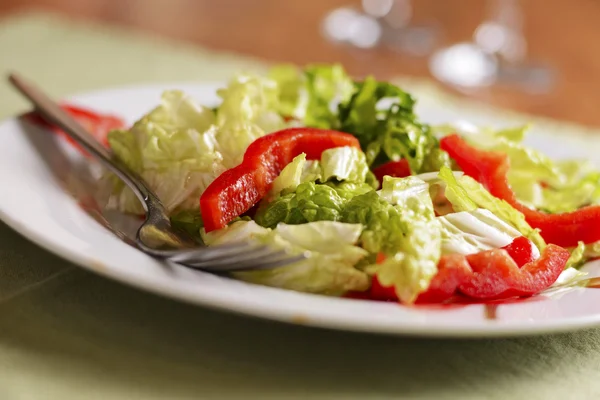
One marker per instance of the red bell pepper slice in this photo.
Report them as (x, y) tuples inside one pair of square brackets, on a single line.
[(521, 250), (490, 169), (396, 169), (488, 275), (453, 270), (95, 123), (497, 276), (236, 190)]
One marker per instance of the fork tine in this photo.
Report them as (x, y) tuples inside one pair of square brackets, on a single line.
[(209, 253), (256, 256), (278, 259), (270, 263)]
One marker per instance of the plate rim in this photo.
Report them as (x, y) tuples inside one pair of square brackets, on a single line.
[(511, 329)]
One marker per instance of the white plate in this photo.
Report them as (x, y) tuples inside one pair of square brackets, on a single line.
[(35, 202)]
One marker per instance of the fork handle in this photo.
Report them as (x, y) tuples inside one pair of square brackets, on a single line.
[(54, 114)]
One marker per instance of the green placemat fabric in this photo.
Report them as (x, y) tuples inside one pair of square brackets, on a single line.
[(67, 334)]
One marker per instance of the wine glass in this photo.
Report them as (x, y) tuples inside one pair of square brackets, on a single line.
[(497, 54), (380, 23)]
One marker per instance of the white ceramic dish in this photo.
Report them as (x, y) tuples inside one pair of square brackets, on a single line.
[(37, 168)]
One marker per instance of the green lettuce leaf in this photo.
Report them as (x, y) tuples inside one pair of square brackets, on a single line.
[(465, 191), (329, 247), (312, 94), (290, 177), (293, 97), (180, 147), (398, 191), (327, 86), (308, 191), (309, 203), (538, 181), (174, 149), (249, 110), (311, 171), (344, 164), (389, 131), (471, 232), (456, 193), (577, 257), (592, 250), (400, 223)]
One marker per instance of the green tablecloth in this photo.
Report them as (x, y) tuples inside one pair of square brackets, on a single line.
[(67, 334)]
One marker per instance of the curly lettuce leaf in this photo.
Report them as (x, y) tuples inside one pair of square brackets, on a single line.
[(381, 116), (309, 203), (329, 247)]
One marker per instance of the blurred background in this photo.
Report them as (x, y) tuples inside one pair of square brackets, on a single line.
[(535, 56)]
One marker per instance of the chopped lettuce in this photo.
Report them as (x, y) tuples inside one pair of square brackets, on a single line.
[(340, 164), (180, 147), (398, 191), (456, 193), (538, 181), (465, 191), (248, 111), (469, 232), (577, 256), (311, 95), (327, 86), (290, 177), (400, 223), (308, 191), (344, 164), (381, 116), (293, 97), (592, 250), (174, 149), (311, 171), (329, 247), (310, 202)]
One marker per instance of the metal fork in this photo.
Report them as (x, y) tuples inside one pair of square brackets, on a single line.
[(156, 236)]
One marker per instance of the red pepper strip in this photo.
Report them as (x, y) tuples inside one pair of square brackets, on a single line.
[(490, 169), (497, 276), (396, 169), (97, 124), (453, 270), (521, 250), (236, 190)]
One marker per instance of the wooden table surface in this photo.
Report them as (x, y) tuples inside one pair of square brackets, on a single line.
[(565, 34)]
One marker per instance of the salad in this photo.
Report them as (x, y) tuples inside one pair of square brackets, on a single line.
[(384, 206)]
